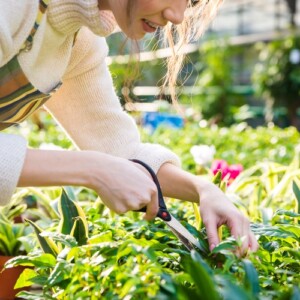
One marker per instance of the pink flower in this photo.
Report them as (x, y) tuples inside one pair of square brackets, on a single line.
[(220, 165), (228, 171), (235, 170)]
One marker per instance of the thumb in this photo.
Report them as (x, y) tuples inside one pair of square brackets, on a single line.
[(212, 234)]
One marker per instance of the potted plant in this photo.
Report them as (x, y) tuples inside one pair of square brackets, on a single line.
[(70, 233), (11, 245)]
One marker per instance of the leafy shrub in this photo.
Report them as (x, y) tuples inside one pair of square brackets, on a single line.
[(276, 74)]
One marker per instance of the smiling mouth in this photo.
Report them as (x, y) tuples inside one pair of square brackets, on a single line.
[(151, 25)]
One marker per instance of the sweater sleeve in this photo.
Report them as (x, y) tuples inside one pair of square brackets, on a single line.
[(89, 110), (12, 155), (16, 20)]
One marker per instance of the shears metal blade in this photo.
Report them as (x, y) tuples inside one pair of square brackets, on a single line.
[(187, 239)]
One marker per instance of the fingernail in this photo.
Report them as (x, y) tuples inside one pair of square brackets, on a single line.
[(212, 246)]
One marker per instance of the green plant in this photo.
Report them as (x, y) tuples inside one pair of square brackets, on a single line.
[(219, 96), (12, 233), (128, 258), (72, 231), (276, 75), (72, 228)]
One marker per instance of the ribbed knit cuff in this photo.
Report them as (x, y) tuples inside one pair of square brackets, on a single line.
[(156, 155), (12, 155), (68, 16)]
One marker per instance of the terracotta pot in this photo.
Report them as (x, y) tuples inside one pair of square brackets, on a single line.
[(8, 278)]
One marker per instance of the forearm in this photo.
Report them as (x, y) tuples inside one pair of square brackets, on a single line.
[(179, 184), (56, 168)]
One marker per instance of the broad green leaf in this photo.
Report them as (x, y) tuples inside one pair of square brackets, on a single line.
[(30, 296), (43, 260), (288, 213), (101, 238), (296, 191), (79, 231), (280, 231), (35, 296), (69, 210), (128, 286), (64, 239), (231, 290), (229, 244), (251, 277), (46, 243), (70, 192), (25, 278), (204, 281), (58, 274), (124, 250)]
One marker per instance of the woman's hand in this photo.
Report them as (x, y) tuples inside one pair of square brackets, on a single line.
[(124, 186), (217, 210)]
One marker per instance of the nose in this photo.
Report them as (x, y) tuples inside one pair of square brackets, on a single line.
[(175, 12)]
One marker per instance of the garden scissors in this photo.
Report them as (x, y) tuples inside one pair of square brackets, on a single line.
[(187, 239)]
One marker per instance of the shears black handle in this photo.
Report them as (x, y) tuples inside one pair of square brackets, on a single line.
[(163, 211)]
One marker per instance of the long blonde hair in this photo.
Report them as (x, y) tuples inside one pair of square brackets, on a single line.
[(197, 18)]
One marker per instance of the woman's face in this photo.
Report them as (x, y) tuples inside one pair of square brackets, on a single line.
[(138, 17)]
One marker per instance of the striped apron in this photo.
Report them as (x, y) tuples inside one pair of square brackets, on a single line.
[(18, 97)]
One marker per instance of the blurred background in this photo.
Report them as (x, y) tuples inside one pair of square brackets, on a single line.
[(246, 68)]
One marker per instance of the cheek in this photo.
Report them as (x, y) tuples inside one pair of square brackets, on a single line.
[(148, 7)]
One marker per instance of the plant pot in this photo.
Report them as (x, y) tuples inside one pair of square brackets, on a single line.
[(8, 278)]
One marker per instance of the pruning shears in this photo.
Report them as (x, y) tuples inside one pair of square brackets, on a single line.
[(187, 239)]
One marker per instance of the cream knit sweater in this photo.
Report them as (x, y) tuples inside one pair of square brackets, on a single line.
[(86, 105)]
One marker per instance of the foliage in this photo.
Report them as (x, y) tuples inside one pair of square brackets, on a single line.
[(11, 233), (218, 95), (72, 228), (238, 144), (125, 257), (277, 74)]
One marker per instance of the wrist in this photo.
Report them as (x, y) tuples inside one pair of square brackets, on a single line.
[(205, 188)]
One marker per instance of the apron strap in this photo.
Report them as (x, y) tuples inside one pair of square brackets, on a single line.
[(43, 4)]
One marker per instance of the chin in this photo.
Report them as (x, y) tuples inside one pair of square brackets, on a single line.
[(134, 35)]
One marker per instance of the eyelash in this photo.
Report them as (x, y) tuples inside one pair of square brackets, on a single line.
[(194, 3)]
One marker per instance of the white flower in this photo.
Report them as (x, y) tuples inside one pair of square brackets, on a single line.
[(49, 146), (203, 154)]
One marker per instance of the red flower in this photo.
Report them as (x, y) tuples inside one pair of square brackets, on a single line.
[(228, 171)]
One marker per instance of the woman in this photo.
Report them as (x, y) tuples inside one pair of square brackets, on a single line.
[(52, 53)]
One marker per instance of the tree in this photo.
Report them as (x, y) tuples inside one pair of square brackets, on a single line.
[(277, 74), (292, 6)]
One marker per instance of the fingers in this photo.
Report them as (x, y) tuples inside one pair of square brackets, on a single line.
[(152, 208), (239, 227), (254, 246), (212, 233), (241, 231)]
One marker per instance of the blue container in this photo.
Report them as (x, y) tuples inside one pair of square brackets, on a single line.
[(152, 120)]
